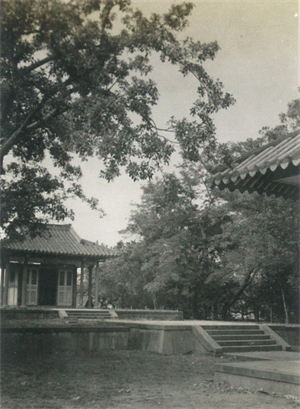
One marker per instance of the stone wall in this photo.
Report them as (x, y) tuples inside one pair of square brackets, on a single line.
[(166, 341), (290, 333), (159, 315), (49, 340), (28, 314), (160, 339)]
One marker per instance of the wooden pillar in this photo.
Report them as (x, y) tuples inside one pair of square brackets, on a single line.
[(5, 298), (90, 287), (81, 283), (24, 281), (97, 285), (74, 295), (2, 283)]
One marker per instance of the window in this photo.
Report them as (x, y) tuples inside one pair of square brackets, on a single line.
[(32, 287), (65, 288)]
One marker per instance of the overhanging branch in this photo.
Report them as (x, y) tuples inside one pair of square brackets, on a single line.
[(35, 65), (10, 142), (51, 115)]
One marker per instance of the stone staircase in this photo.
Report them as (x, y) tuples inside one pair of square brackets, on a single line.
[(89, 314), (244, 338)]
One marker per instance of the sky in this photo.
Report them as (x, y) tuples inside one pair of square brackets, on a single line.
[(258, 65)]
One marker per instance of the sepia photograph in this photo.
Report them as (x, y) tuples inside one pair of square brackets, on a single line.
[(149, 204)]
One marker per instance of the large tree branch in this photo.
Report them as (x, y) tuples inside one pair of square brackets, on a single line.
[(248, 279), (51, 115), (6, 103), (8, 100), (10, 142), (35, 65)]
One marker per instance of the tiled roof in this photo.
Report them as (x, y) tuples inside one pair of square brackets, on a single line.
[(265, 170), (59, 240)]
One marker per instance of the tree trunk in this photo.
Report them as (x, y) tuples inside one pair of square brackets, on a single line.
[(256, 313), (215, 312), (154, 301), (205, 312), (286, 313), (248, 279), (195, 305), (224, 312)]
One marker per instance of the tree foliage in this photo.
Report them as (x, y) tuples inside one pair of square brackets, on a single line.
[(179, 245), (213, 254), (76, 82)]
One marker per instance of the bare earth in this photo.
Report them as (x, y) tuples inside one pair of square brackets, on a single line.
[(123, 379)]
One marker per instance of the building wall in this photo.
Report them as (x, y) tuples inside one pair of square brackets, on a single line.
[(46, 285)]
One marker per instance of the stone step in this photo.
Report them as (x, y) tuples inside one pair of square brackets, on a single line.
[(218, 338), (250, 348), (87, 311), (212, 333), (245, 342), (228, 327), (268, 376), (88, 315), (241, 338)]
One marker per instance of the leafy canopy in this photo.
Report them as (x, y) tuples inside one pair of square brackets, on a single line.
[(75, 82), (178, 248), (212, 254)]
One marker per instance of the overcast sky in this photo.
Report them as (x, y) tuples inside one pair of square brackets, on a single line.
[(258, 65)]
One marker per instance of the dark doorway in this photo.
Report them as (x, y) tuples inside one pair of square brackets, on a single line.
[(47, 286)]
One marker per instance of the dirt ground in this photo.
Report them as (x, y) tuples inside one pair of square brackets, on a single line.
[(121, 380)]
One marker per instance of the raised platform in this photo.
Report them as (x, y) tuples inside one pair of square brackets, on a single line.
[(274, 371), (280, 376), (19, 313), (95, 336), (162, 337)]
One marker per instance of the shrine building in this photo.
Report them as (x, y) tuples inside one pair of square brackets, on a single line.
[(43, 271)]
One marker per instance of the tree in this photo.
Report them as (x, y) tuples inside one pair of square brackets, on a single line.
[(122, 282), (264, 259), (214, 254), (74, 83), (177, 250), (266, 231)]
